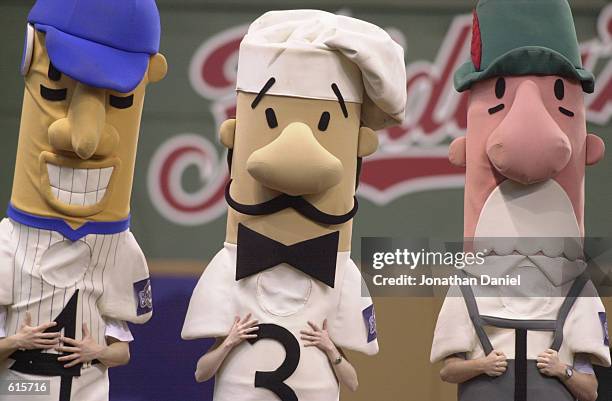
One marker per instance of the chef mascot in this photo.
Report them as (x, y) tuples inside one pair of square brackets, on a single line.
[(71, 272), (525, 154), (312, 86)]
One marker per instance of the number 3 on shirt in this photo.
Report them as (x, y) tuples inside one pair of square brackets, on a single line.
[(275, 380)]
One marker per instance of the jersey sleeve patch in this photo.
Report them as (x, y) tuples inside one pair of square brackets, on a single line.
[(369, 318), (144, 297), (604, 325)]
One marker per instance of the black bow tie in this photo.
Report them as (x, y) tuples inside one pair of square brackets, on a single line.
[(315, 257)]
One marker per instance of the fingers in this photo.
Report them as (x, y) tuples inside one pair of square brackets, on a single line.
[(245, 319), (246, 334), (46, 347), (69, 350), (502, 364), (308, 332), (314, 326), (85, 330), (545, 370), (46, 343), (309, 344), (49, 335), (70, 341), (248, 324), (325, 324), (74, 363), (309, 338), (250, 330), (46, 326), (70, 357), (549, 353), (28, 319)]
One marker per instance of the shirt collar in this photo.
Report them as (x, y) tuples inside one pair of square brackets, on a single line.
[(59, 225)]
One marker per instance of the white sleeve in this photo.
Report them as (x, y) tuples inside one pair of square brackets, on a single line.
[(212, 307), (119, 330), (2, 321), (8, 247), (353, 324), (586, 327), (454, 331), (127, 291)]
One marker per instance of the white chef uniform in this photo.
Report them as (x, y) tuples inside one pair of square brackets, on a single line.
[(289, 298), (308, 54)]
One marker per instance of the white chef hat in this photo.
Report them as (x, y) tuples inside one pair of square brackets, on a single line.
[(306, 51)]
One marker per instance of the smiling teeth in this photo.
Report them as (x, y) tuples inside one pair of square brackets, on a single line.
[(81, 187)]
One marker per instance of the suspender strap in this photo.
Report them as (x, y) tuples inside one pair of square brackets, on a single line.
[(565, 309), (520, 365), (472, 307), (535, 325)]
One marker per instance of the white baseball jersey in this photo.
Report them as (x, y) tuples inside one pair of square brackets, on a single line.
[(283, 299), (41, 271)]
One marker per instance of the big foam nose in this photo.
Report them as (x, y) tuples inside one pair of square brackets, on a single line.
[(82, 129), (295, 163), (528, 146)]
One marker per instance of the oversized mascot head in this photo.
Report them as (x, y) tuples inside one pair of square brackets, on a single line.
[(312, 88), (527, 144), (86, 65)]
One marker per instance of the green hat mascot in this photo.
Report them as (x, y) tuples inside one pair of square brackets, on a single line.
[(525, 154)]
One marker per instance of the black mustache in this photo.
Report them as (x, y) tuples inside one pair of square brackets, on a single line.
[(297, 203)]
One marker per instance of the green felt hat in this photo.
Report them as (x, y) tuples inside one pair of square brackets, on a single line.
[(523, 37)]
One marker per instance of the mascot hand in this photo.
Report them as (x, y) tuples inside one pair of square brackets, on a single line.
[(494, 364), (83, 351), (29, 337), (550, 365), (318, 337), (241, 330)]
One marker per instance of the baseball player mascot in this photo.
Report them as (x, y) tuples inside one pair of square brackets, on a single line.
[(71, 272), (311, 86), (525, 153)]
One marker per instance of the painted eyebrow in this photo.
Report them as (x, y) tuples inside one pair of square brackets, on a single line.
[(121, 102), (54, 74), (497, 108), (340, 99), (567, 112), (262, 92), (53, 95)]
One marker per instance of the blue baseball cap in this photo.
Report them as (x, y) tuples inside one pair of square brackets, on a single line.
[(102, 43)]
